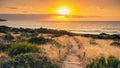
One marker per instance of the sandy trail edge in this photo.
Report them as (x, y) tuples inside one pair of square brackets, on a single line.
[(72, 60)]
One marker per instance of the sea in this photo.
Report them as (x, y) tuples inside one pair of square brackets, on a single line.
[(82, 27)]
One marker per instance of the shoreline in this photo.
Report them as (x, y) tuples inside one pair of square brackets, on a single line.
[(6, 29), (110, 31)]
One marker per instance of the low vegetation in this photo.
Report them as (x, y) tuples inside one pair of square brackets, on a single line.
[(8, 37), (25, 55), (3, 47), (38, 40), (28, 60), (116, 43), (101, 62), (102, 36), (22, 47), (42, 40), (6, 29)]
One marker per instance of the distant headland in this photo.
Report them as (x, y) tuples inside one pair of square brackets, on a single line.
[(3, 20)]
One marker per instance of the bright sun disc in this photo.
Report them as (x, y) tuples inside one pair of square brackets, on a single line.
[(63, 11)]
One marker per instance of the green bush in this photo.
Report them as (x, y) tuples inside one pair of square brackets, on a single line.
[(113, 62), (38, 40), (6, 29), (8, 37), (22, 47), (28, 61), (116, 43), (100, 62), (20, 61), (42, 40), (102, 36), (4, 47)]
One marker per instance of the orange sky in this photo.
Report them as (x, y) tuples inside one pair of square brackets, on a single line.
[(106, 9)]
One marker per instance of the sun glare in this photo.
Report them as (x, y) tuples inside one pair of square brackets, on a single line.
[(63, 11)]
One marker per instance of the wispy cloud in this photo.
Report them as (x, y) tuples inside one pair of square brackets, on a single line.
[(8, 7), (12, 7)]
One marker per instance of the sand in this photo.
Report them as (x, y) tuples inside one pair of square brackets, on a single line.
[(76, 51), (82, 52)]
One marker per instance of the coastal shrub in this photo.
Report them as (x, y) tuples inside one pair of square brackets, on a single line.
[(4, 47), (8, 37), (4, 29), (35, 34), (24, 34), (22, 47), (102, 36), (52, 31), (116, 43), (38, 40), (111, 62), (28, 60), (19, 61), (97, 63), (42, 40)]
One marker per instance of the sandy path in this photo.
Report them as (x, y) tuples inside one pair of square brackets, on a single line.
[(72, 60)]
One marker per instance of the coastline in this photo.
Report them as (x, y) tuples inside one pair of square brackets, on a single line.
[(82, 27), (2, 20), (56, 32), (62, 48)]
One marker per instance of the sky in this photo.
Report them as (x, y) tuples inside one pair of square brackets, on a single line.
[(103, 9)]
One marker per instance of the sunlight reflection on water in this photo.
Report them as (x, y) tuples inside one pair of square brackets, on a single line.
[(96, 27)]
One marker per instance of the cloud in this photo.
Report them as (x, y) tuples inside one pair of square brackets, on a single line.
[(8, 7), (12, 7)]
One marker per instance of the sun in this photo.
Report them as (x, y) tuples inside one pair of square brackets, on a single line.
[(63, 11)]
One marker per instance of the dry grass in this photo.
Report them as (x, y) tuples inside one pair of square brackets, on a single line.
[(3, 57), (54, 53), (86, 52), (103, 48), (57, 54)]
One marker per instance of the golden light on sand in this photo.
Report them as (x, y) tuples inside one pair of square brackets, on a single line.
[(63, 11)]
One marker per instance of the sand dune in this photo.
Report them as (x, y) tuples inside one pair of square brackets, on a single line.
[(77, 51), (80, 51)]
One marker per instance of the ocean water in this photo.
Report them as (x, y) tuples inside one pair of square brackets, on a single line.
[(84, 27)]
